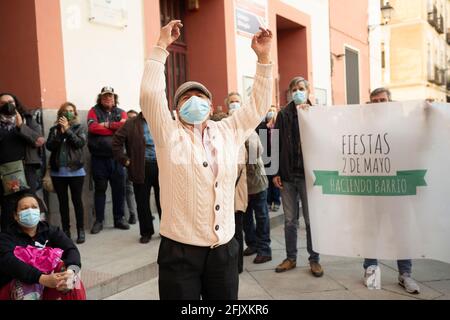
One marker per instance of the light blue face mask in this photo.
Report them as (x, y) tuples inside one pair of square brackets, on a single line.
[(234, 106), (270, 115), (29, 218), (195, 111), (299, 97)]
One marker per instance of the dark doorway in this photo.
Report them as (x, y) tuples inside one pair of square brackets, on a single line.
[(177, 62), (292, 56)]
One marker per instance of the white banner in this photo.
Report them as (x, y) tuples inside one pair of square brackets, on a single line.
[(378, 179)]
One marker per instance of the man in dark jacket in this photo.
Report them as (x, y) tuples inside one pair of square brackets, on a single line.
[(103, 121), (291, 177), (140, 160)]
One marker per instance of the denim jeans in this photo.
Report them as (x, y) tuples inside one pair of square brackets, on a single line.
[(129, 195), (404, 266), (258, 237), (273, 195), (291, 193), (104, 170)]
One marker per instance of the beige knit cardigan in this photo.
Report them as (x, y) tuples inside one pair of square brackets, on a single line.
[(197, 206)]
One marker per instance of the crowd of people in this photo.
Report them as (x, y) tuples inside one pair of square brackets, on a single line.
[(208, 168)]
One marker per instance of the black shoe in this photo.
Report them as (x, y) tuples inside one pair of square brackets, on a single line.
[(132, 219), (145, 239), (81, 236), (68, 234), (121, 224), (98, 226), (249, 251), (262, 259)]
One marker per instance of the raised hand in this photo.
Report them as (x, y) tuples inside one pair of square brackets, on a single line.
[(64, 124), (19, 120), (262, 45), (170, 33)]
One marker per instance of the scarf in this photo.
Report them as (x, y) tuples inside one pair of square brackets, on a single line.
[(7, 122)]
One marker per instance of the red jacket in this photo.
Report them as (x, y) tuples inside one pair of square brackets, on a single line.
[(100, 136)]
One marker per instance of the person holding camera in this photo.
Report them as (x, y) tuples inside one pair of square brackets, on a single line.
[(15, 136), (66, 141)]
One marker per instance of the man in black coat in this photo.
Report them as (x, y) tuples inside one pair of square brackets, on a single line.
[(291, 177)]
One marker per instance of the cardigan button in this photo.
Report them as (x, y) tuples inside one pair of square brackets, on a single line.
[(217, 184), (217, 228), (217, 208), (205, 164)]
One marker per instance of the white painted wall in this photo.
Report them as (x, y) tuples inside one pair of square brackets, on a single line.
[(376, 37), (246, 58), (97, 55), (318, 10)]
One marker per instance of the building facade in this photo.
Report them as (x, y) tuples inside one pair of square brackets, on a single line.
[(350, 62), (68, 49), (410, 52)]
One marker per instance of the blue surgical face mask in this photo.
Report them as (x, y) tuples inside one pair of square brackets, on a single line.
[(299, 97), (29, 218), (234, 106), (195, 111), (270, 115)]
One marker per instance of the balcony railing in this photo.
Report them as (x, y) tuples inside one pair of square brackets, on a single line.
[(431, 74), (440, 24), (433, 16), (439, 76)]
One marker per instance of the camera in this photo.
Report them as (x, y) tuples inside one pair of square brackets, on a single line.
[(8, 109)]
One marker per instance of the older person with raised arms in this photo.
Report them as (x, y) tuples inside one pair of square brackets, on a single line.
[(198, 170)]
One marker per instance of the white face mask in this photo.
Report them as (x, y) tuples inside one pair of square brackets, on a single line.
[(195, 111), (299, 97), (234, 106), (29, 218)]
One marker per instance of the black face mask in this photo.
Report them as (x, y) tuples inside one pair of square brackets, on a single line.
[(8, 109)]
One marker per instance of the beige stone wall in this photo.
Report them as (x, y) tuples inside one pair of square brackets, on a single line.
[(416, 47), (407, 53), (406, 10)]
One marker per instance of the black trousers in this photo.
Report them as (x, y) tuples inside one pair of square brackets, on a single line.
[(142, 196), (189, 272), (8, 208), (61, 185), (154, 181), (239, 236), (31, 174)]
